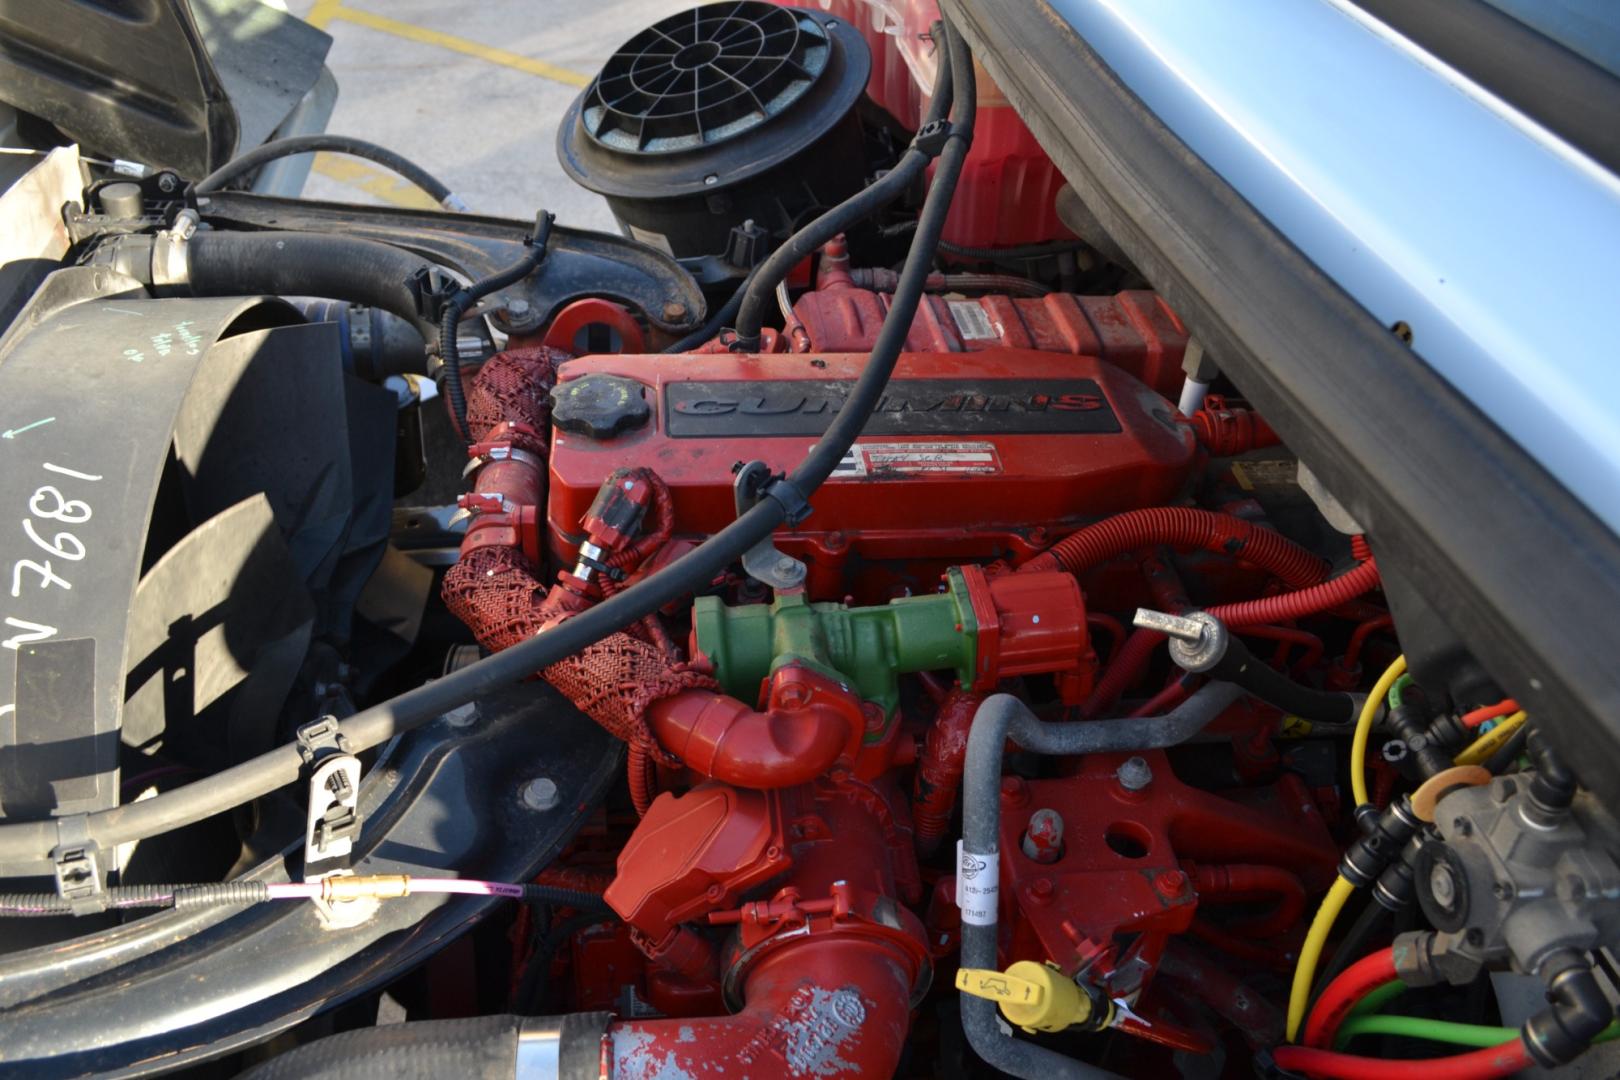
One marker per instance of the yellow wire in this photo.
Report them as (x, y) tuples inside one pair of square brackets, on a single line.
[(1364, 725), (1311, 952), (1480, 750)]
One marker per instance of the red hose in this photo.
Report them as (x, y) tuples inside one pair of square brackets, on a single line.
[(1246, 881), (1358, 640), (1360, 579), (1354, 983), (1494, 1061), (1187, 527)]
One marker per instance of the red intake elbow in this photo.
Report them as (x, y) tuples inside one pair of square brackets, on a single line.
[(810, 723)]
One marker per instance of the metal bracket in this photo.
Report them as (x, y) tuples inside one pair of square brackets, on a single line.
[(333, 821), (763, 562), (78, 865)]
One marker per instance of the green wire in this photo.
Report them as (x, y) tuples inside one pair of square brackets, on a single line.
[(1398, 690), (1416, 1027), (1378, 998)]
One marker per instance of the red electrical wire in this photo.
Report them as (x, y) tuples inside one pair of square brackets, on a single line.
[(1489, 712), (1354, 983), (1493, 1061)]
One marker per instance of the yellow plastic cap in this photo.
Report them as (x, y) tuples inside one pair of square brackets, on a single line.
[(1034, 996)]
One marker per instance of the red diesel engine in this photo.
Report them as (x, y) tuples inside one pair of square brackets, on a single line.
[(807, 734)]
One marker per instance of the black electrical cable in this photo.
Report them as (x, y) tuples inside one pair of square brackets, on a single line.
[(531, 988), (716, 322), (459, 304), (341, 144), (1019, 252), (811, 238), (1352, 947), (372, 726)]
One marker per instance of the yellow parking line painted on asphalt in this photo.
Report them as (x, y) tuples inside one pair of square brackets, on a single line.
[(321, 15), (331, 9), (389, 188)]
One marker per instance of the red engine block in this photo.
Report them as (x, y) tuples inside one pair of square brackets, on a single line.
[(970, 457)]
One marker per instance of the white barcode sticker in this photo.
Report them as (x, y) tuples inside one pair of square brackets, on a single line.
[(978, 883), (910, 458), (971, 320)]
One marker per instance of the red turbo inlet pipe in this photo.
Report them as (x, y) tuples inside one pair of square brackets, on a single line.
[(1182, 526), (1341, 995), (1505, 1060), (827, 1007), (939, 771), (809, 724)]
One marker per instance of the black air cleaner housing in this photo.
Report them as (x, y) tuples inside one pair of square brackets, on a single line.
[(721, 114)]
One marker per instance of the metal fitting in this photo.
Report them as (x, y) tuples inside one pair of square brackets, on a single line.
[(1198, 640), (1134, 774), (541, 794)]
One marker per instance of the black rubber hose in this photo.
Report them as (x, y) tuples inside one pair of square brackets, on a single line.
[(459, 304), (890, 186), (1001, 717), (243, 164), (372, 726), (1238, 665), (482, 1047), (307, 264), (474, 1048), (716, 322)]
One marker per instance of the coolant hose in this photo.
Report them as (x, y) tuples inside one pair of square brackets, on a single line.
[(341, 144), (954, 87), (307, 264), (474, 1048), (376, 724), (1001, 717)]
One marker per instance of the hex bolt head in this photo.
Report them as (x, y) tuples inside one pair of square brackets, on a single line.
[(541, 794), (1134, 774)]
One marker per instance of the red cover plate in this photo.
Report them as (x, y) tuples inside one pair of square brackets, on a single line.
[(970, 455)]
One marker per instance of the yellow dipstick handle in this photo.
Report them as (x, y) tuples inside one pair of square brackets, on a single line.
[(1034, 996)]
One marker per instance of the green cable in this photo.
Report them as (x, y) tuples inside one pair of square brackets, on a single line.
[(1398, 690), (1445, 1031), (1378, 998)]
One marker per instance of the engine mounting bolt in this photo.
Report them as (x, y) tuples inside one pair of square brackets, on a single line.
[(674, 310), (541, 794), (1043, 839), (1134, 774)]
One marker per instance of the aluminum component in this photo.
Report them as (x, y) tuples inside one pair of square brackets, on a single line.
[(1507, 882), (1197, 641)]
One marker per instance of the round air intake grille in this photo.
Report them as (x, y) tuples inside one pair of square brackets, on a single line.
[(705, 76), (723, 115)]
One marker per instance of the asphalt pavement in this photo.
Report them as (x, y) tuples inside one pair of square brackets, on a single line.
[(473, 92)]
